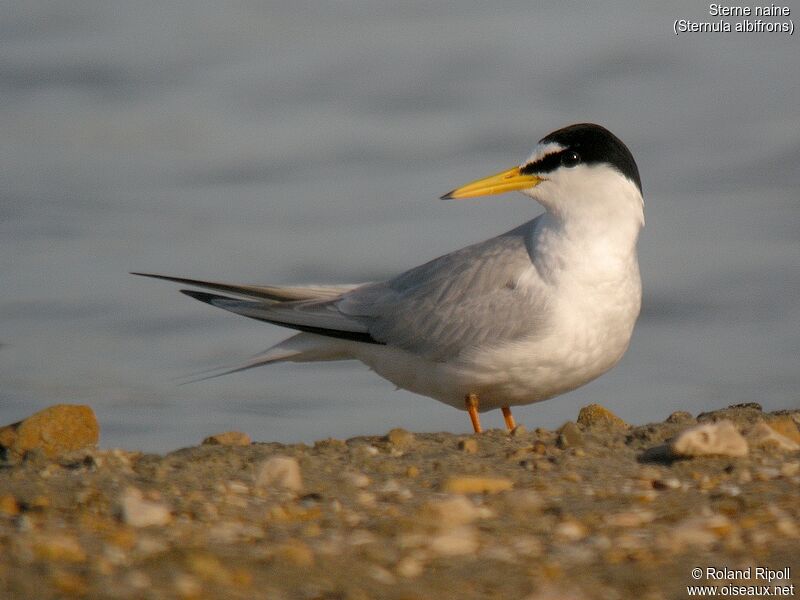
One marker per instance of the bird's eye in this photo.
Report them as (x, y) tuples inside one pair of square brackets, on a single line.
[(570, 158)]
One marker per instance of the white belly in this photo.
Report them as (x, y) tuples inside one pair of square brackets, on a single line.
[(588, 336)]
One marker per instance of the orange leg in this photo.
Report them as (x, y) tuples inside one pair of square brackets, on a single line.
[(510, 422), (472, 408)]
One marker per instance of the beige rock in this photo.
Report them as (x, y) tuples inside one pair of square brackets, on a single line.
[(570, 530), (700, 531), (633, 518), (763, 436), (594, 415), (709, 439), (140, 512), (59, 547), (455, 542), (400, 438), (449, 512), (569, 436), (477, 485), (297, 553), (55, 430), (410, 567), (228, 438), (279, 472)]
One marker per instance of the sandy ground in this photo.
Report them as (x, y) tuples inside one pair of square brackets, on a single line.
[(597, 509)]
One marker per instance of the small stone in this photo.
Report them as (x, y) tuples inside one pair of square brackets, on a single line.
[(709, 439), (9, 505), (382, 575), (70, 584), (297, 553), (412, 471), (209, 568), (356, 479), (54, 431), (477, 485), (279, 472), (187, 586), (569, 436), (139, 512), (667, 483), (449, 512), (679, 417), (400, 438), (455, 542), (633, 518), (228, 438), (571, 531), (700, 531), (524, 500), (410, 567), (539, 447), (764, 436), (468, 445), (59, 547), (595, 415)]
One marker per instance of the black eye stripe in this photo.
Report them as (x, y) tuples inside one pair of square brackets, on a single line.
[(546, 164)]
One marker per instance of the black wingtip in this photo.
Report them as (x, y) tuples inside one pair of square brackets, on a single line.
[(202, 296)]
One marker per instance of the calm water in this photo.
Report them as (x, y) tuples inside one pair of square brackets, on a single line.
[(307, 142)]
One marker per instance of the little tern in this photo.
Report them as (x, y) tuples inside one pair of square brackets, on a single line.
[(530, 314)]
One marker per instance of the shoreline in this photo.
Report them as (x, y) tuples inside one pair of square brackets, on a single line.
[(595, 509)]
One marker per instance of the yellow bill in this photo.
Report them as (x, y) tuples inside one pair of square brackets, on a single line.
[(507, 181)]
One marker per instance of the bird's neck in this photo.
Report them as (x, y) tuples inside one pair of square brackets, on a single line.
[(589, 246)]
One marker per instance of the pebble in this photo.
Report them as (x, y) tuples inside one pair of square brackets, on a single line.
[(59, 547), (700, 531), (400, 438), (187, 586), (139, 512), (595, 415), (524, 500), (228, 438), (281, 473), (410, 567), (297, 553), (449, 512), (633, 518), (679, 417), (455, 542), (477, 485), (710, 439), (9, 505), (54, 431), (469, 445), (762, 435), (569, 436), (356, 479), (570, 531)]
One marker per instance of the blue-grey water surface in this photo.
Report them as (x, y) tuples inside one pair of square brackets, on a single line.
[(281, 142)]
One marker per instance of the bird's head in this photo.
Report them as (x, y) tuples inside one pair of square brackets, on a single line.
[(582, 170)]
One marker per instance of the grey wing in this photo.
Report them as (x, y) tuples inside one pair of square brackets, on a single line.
[(459, 301)]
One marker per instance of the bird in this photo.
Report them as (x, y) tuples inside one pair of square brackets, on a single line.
[(522, 317)]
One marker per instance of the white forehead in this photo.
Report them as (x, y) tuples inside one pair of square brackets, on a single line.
[(543, 150)]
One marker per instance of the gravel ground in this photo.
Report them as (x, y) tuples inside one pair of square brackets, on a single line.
[(597, 509)]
